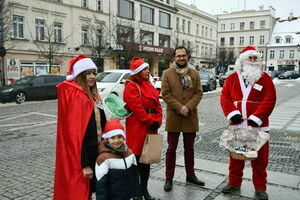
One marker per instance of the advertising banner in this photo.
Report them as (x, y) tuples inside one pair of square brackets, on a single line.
[(13, 69)]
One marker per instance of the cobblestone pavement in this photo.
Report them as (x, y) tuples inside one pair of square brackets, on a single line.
[(28, 134)]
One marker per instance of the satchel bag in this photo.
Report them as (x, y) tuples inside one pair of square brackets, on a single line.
[(152, 149)]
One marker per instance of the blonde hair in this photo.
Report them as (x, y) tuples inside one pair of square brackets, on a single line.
[(91, 91)]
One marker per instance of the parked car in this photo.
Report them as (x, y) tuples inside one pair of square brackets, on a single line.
[(289, 75), (222, 79), (112, 81), (271, 74), (157, 83), (34, 87), (208, 81)]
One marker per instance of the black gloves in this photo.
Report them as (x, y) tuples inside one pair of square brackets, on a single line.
[(252, 123), (154, 126), (237, 119)]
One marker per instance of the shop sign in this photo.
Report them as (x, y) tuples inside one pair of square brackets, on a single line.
[(147, 48), (286, 62), (13, 69)]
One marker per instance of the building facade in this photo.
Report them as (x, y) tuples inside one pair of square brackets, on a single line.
[(284, 47), (239, 29), (197, 31)]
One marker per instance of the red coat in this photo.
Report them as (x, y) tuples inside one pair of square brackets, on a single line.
[(74, 112), (138, 123), (255, 102)]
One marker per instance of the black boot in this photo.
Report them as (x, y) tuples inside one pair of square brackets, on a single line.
[(144, 170)]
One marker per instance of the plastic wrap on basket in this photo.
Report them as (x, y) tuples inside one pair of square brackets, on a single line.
[(113, 107), (243, 141)]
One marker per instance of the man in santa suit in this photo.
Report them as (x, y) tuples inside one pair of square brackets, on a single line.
[(247, 100)]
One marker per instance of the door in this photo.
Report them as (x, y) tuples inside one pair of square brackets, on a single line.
[(36, 89), (50, 86)]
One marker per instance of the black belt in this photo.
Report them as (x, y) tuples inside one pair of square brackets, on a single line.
[(150, 111)]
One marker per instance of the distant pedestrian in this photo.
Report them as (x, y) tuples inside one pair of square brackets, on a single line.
[(181, 90), (79, 123), (142, 99), (116, 167), (247, 99)]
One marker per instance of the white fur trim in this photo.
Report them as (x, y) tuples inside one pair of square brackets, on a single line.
[(113, 133), (235, 112), (256, 119), (113, 163), (80, 66), (248, 53), (140, 68)]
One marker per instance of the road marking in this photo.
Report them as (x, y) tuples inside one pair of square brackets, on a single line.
[(17, 116), (48, 115), (289, 85), (33, 123), (25, 127)]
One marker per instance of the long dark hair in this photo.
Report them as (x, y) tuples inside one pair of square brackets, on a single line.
[(91, 91)]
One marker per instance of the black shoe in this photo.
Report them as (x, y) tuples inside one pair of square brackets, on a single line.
[(230, 188), (195, 180), (147, 196), (261, 195), (168, 185)]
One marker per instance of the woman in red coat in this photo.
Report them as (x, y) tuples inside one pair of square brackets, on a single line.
[(142, 99)]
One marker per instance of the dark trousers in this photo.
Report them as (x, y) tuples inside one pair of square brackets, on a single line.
[(188, 141), (259, 173)]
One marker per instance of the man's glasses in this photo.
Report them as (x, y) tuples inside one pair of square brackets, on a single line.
[(181, 56)]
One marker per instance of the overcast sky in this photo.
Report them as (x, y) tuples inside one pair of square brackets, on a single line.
[(282, 7)]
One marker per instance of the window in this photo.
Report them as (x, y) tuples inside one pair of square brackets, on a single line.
[(189, 27), (202, 31), (251, 25), (277, 40), (84, 36), (222, 27), (164, 40), (18, 26), (38, 81), (231, 40), (183, 43), (125, 34), (99, 37), (183, 25), (84, 3), (206, 32), (281, 54), (164, 19), (206, 52), (251, 40), (272, 54), (242, 25), (262, 24), (39, 29), (261, 39), (211, 33), (177, 23), (146, 37), (288, 39), (232, 26), (98, 4), (292, 53), (197, 30), (168, 1), (261, 53), (242, 40), (189, 45), (222, 41), (126, 9), (202, 51), (147, 14), (57, 32)]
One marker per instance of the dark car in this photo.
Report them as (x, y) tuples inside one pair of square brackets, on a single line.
[(289, 75), (31, 88), (271, 74), (222, 79), (208, 81)]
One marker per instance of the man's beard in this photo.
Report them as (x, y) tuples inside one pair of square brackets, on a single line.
[(251, 72), (181, 66)]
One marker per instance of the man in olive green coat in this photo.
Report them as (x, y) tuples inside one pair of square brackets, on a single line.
[(181, 90)]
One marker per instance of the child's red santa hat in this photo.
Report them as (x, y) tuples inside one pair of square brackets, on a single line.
[(78, 65), (112, 128), (137, 65)]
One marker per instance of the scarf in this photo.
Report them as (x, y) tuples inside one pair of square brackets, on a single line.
[(185, 78), (119, 151)]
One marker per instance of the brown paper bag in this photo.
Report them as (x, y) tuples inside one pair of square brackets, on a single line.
[(152, 149)]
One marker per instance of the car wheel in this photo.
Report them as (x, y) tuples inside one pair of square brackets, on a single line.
[(20, 97)]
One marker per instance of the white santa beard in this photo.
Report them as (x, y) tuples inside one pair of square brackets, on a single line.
[(251, 72)]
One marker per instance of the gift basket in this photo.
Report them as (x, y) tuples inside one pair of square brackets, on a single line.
[(243, 144)]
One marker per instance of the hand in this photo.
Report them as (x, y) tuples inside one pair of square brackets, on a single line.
[(184, 111), (154, 126), (87, 172), (237, 119), (252, 123)]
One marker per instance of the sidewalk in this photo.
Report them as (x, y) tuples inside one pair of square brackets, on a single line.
[(280, 186)]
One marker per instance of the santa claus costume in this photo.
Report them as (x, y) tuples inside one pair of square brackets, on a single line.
[(247, 99)]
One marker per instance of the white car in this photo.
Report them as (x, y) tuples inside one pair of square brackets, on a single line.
[(112, 81), (157, 83)]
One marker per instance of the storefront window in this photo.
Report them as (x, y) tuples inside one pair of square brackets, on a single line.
[(164, 40), (146, 37), (125, 34)]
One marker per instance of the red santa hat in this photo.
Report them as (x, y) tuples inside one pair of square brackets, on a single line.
[(112, 128), (249, 51), (78, 65), (137, 65)]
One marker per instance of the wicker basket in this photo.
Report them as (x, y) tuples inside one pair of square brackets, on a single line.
[(239, 156)]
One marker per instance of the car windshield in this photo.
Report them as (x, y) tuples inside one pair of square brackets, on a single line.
[(108, 77), (25, 80), (204, 76), (229, 72), (288, 72)]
